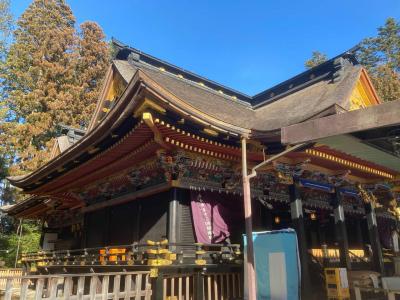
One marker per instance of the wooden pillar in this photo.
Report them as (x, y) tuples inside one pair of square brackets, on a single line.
[(377, 258), (199, 286), (267, 219), (313, 226), (321, 233), (250, 263), (359, 235), (84, 231), (256, 216), (107, 233), (137, 229), (173, 217), (158, 286), (340, 230), (296, 209)]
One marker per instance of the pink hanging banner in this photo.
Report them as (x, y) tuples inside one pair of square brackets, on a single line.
[(215, 215)]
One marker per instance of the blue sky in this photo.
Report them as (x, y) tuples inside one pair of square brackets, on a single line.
[(246, 45)]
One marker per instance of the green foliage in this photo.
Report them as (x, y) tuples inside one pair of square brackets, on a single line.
[(113, 50), (384, 49), (316, 59), (29, 242), (381, 56)]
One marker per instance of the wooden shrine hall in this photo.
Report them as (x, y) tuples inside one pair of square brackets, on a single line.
[(155, 182)]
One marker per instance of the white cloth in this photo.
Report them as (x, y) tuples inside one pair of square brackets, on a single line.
[(395, 241)]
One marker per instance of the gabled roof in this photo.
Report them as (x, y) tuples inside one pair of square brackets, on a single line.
[(125, 52), (69, 137), (320, 91), (205, 99), (318, 99)]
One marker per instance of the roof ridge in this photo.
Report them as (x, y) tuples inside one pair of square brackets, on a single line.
[(123, 46), (330, 69), (194, 84)]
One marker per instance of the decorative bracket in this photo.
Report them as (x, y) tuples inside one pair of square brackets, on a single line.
[(367, 196), (148, 120), (285, 173)]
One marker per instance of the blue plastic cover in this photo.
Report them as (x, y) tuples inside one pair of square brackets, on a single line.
[(277, 265)]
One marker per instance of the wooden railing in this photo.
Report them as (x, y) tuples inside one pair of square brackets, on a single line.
[(150, 254), (178, 272), (125, 285), (223, 286), (332, 255), (357, 256), (142, 285), (14, 273), (181, 286), (199, 286), (367, 293)]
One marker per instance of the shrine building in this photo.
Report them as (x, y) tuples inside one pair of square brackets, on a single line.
[(155, 181)]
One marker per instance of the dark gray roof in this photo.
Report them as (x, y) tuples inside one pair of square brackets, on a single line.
[(321, 98), (70, 136), (125, 52), (320, 91), (206, 100)]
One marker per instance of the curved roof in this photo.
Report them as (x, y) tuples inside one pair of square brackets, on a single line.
[(320, 91), (318, 96)]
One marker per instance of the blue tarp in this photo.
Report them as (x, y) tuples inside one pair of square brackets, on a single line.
[(277, 265)]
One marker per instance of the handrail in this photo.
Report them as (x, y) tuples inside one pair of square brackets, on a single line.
[(375, 289), (78, 274), (152, 253), (133, 245), (113, 285), (364, 259)]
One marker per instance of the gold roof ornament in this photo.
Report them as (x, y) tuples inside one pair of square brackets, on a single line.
[(367, 196), (394, 209)]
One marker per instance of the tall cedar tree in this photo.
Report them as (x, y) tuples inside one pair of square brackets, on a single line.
[(6, 156), (380, 55), (94, 56), (5, 26), (8, 236), (40, 78), (43, 79)]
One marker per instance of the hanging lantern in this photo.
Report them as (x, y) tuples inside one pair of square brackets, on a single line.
[(277, 220), (313, 216)]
